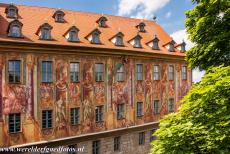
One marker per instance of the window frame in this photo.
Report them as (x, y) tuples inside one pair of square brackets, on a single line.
[(45, 31), (48, 120), (20, 72), (95, 38), (76, 73), (156, 110), (171, 73), (75, 116), (96, 147), (137, 72), (152, 137), (141, 138), (99, 113), (156, 74), (117, 143), (137, 42), (171, 105), (120, 74), (99, 73), (139, 109), (184, 74), (47, 75), (15, 124), (120, 111)]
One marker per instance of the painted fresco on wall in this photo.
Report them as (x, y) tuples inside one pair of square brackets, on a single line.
[(1, 67), (164, 97), (61, 98), (148, 88), (75, 93), (88, 110), (99, 93), (14, 99), (46, 93)]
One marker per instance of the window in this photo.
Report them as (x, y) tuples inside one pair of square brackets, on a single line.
[(72, 36), (45, 35), (155, 43), (119, 40), (14, 123), (120, 73), (96, 147), (171, 47), (15, 32), (141, 138), (184, 73), (75, 116), (139, 72), (156, 72), (117, 143), (14, 71), (171, 105), (120, 111), (171, 72), (72, 149), (137, 42), (99, 72), (139, 109), (102, 21), (141, 27), (59, 16), (46, 71), (11, 11), (152, 137), (183, 46), (95, 37), (47, 119), (99, 113), (74, 72), (14, 29), (156, 106)]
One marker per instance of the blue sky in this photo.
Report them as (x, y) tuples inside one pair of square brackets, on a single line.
[(170, 13)]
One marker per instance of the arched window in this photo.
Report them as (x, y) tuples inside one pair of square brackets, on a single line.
[(45, 35), (59, 16), (119, 39), (102, 21), (44, 32), (137, 42), (183, 46), (11, 11), (155, 43), (95, 38), (14, 29), (141, 27), (171, 47)]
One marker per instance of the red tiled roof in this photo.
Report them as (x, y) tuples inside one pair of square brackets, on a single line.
[(33, 17)]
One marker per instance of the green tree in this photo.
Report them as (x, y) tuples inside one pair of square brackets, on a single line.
[(208, 26), (202, 124)]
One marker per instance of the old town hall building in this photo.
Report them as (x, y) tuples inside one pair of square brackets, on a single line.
[(87, 80)]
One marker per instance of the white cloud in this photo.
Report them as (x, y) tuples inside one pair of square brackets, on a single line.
[(180, 35), (140, 8), (168, 14)]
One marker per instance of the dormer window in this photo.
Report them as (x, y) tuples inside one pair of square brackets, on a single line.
[(171, 47), (102, 21), (59, 16), (15, 29), (95, 37), (137, 42), (141, 27), (11, 11), (72, 34), (155, 43), (44, 32), (118, 39), (183, 47)]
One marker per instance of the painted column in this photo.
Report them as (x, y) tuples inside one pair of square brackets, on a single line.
[(1, 67)]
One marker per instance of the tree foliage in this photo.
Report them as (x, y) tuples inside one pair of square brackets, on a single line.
[(208, 26), (202, 124)]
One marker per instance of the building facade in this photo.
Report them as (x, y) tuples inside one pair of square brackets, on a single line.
[(97, 81)]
